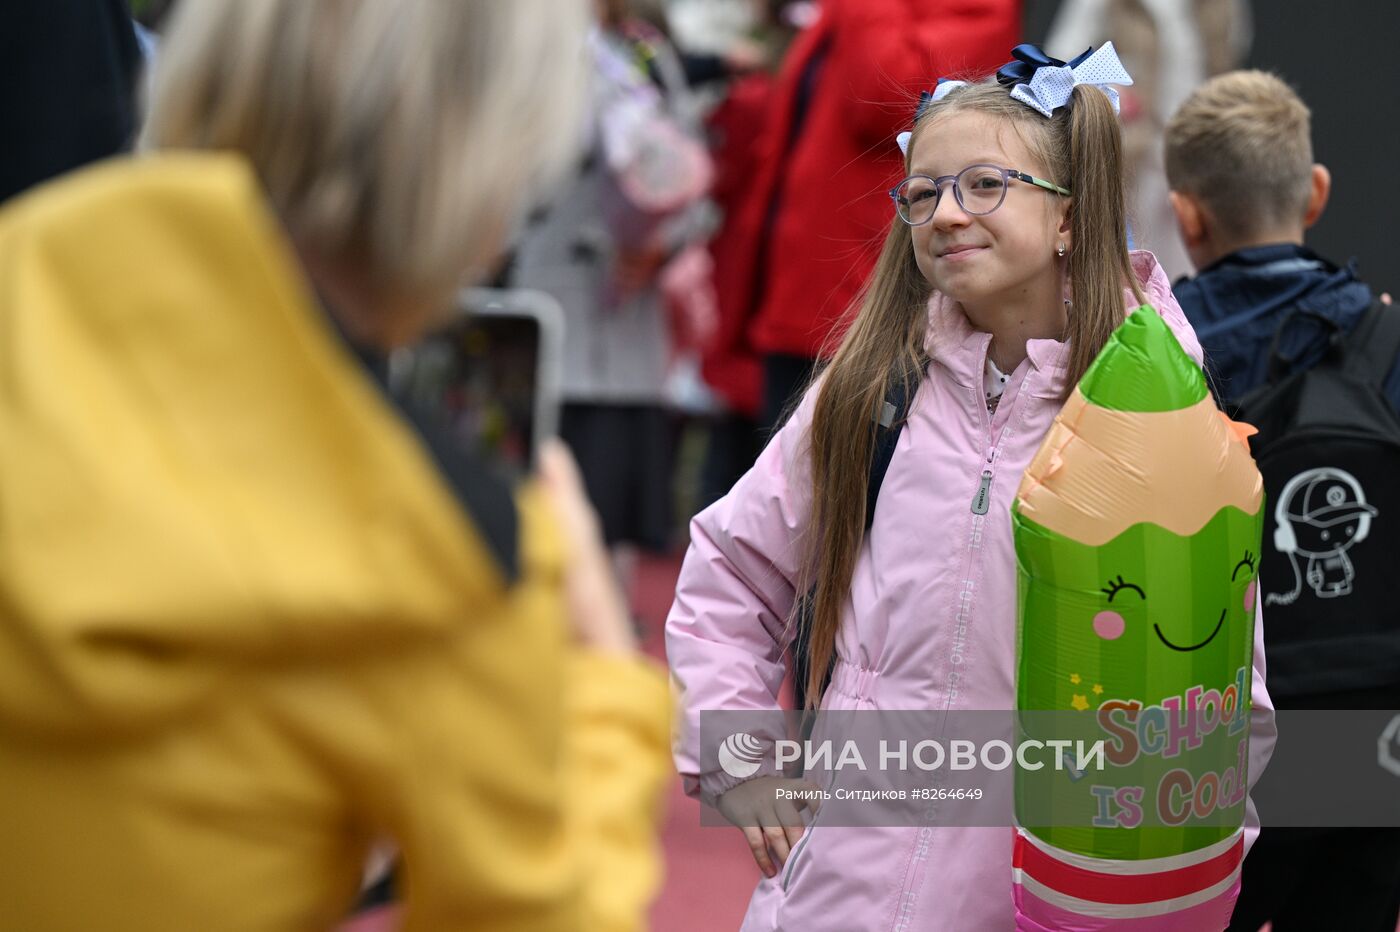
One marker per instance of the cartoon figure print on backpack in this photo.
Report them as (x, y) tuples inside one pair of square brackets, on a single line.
[(1321, 514), (1329, 448)]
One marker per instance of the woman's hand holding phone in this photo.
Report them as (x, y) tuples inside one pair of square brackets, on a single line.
[(596, 606)]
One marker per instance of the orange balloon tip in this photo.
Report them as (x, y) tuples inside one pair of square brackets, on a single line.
[(1240, 429)]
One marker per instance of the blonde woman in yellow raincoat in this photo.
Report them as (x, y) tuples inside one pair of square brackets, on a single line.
[(251, 620)]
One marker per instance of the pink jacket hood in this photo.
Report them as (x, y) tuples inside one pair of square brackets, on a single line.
[(930, 621)]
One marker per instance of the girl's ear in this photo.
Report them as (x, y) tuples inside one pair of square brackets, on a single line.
[(1066, 228)]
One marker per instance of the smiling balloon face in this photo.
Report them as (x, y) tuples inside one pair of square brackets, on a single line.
[(1142, 617)]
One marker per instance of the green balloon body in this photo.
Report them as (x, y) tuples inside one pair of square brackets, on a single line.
[(1187, 632), (1144, 642)]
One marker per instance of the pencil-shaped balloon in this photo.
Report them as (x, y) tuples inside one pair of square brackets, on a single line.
[(1137, 529)]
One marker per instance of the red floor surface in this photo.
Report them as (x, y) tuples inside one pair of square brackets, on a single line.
[(709, 871)]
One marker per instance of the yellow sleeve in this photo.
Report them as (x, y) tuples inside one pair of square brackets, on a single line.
[(618, 762), (507, 819), (520, 778)]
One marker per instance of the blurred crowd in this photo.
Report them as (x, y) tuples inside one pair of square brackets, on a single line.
[(703, 192), (727, 201)]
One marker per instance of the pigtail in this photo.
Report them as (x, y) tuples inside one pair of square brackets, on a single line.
[(1099, 266), (885, 338)]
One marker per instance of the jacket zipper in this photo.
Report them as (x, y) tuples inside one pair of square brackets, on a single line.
[(981, 503), (981, 499), (799, 848)]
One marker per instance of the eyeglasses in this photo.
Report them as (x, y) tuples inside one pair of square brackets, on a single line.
[(979, 189)]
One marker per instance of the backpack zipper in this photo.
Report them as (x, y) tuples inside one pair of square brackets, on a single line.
[(1321, 432)]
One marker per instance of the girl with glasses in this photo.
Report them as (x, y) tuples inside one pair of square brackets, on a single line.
[(1005, 269)]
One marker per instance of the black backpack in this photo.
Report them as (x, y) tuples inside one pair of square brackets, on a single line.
[(1329, 450), (889, 423)]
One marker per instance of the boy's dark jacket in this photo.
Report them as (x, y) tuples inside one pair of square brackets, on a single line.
[(1237, 304)]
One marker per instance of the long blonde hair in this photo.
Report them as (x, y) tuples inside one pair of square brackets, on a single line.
[(402, 137), (1081, 147)]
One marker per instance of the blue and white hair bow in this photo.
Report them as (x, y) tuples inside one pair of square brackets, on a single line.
[(938, 93), (1046, 83), (1041, 82)]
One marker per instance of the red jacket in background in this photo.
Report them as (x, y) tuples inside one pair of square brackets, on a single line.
[(865, 62), (731, 366)]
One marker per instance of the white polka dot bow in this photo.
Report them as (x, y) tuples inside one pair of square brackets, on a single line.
[(1043, 83), (1052, 82)]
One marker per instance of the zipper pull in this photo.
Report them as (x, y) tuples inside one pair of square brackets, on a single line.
[(979, 502)]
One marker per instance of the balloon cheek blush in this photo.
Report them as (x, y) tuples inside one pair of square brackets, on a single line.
[(1108, 625)]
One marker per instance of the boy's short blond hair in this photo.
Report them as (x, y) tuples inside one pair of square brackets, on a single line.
[(1242, 144)]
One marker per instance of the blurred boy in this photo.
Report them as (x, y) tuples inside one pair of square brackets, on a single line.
[(1244, 189)]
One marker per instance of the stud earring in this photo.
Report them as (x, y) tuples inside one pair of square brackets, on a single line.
[(1060, 250)]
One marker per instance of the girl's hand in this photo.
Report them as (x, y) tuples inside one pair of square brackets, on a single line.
[(596, 607), (772, 826)]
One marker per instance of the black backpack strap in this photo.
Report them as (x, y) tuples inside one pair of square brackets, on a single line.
[(1374, 344), (1280, 365), (889, 423)]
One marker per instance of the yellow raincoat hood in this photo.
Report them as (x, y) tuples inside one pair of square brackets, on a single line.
[(195, 473)]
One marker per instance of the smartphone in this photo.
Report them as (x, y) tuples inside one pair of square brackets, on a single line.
[(489, 378)]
